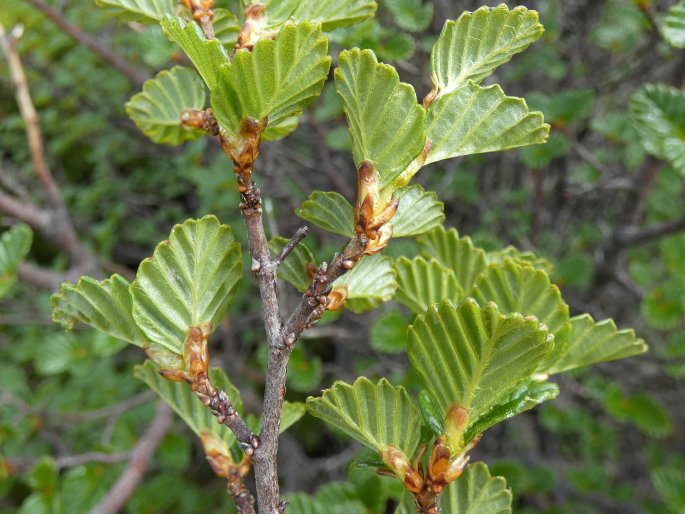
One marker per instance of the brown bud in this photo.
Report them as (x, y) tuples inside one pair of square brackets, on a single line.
[(396, 460), (336, 298), (176, 375)]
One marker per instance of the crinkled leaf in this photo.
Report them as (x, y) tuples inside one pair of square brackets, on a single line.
[(590, 342), (476, 492), (330, 211), (389, 332), (294, 268), (474, 119), (143, 11), (471, 47), (375, 102), (421, 283), (207, 55), (674, 25), (181, 398), (418, 212), (369, 413), (157, 109), (15, 243), (455, 253), (410, 15), (189, 280), (520, 257), (275, 80), (226, 27), (370, 283), (474, 357), (335, 13)]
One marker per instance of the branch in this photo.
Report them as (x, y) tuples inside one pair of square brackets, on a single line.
[(633, 236), (290, 246), (41, 277), (129, 480), (96, 46), (34, 217)]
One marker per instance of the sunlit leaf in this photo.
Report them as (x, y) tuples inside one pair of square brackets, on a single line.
[(418, 212), (370, 283), (421, 283), (15, 243), (143, 11), (157, 109), (335, 13), (674, 26), (476, 492), (330, 211), (294, 268)]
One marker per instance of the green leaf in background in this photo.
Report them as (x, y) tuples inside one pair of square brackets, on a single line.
[(474, 357), (389, 332), (669, 481), (189, 280), (455, 253), (565, 107), (421, 283), (419, 211), (370, 283), (302, 503), (659, 116), (142, 11), (184, 402), (410, 15), (643, 410), (105, 306), (330, 211), (478, 42), (369, 413), (304, 371), (474, 119), (375, 100), (156, 110), (334, 13), (476, 492), (341, 498), (294, 268), (226, 27), (15, 243), (297, 64), (291, 414), (206, 55), (590, 342), (663, 307), (674, 26)]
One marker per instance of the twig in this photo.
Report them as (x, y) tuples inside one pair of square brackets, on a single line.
[(290, 245), (632, 236), (68, 461), (105, 412), (30, 214), (41, 277), (129, 480), (90, 42)]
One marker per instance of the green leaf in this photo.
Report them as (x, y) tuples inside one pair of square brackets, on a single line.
[(520, 257), (275, 80), (15, 243), (526, 396), (421, 283), (429, 411), (369, 413), (143, 11), (389, 332), (659, 115), (282, 129), (455, 253), (330, 211), (294, 268), (157, 109), (302, 503), (194, 413), (375, 100), (476, 492), (670, 483), (370, 283), (291, 414), (474, 357), (410, 15), (226, 27), (304, 371), (590, 342), (474, 119), (206, 55), (335, 13), (341, 498), (478, 42), (189, 280), (105, 306), (418, 212), (674, 25)]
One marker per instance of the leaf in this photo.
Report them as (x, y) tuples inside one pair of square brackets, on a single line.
[(291, 414), (143, 11), (658, 112), (294, 268), (418, 212), (410, 15), (421, 283), (369, 413), (15, 243), (341, 498), (474, 357), (296, 65), (156, 110), (194, 413), (370, 283), (105, 306), (457, 254), (226, 27), (330, 211), (334, 13), (670, 483), (474, 119), (524, 398), (389, 332), (375, 100), (476, 492), (206, 55), (431, 417), (471, 47), (281, 130), (520, 257), (590, 342), (674, 25), (189, 280), (302, 503)]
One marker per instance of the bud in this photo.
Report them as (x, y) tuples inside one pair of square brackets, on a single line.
[(218, 457), (336, 298), (396, 460)]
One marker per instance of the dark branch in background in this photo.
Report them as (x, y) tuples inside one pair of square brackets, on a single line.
[(93, 44), (42, 278), (633, 236), (129, 480)]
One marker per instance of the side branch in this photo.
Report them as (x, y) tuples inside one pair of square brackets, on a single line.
[(290, 246)]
